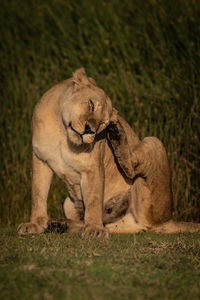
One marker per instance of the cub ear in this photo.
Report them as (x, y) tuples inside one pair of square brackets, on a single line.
[(79, 79)]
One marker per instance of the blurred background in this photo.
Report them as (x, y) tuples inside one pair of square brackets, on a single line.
[(145, 54)]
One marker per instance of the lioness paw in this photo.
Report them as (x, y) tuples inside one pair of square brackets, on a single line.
[(27, 228), (91, 232), (41, 221)]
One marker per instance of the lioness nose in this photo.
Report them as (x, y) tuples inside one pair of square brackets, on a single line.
[(88, 130)]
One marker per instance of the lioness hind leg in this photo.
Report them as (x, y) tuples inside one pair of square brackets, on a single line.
[(152, 196), (41, 180), (146, 163)]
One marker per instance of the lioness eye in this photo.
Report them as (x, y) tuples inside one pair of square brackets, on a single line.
[(91, 105)]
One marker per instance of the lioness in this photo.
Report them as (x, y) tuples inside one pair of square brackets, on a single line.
[(116, 183)]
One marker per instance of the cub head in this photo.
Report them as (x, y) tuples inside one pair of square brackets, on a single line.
[(86, 111)]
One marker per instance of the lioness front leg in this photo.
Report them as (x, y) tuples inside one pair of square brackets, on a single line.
[(41, 180), (92, 189)]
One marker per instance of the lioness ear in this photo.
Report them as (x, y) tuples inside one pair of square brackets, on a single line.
[(80, 79), (92, 81), (109, 106)]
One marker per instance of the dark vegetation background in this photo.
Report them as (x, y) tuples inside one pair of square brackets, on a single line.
[(144, 53)]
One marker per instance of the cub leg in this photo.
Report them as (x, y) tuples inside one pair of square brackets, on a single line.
[(41, 180)]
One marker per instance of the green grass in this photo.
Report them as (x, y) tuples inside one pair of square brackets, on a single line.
[(141, 266), (144, 54)]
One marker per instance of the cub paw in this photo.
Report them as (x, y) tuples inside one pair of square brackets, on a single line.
[(92, 231), (64, 225), (27, 228)]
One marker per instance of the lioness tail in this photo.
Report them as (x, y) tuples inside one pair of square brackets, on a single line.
[(172, 226)]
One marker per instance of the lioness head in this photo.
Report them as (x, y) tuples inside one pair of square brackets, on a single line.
[(87, 111)]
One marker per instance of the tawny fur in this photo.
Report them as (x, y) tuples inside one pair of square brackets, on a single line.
[(116, 183)]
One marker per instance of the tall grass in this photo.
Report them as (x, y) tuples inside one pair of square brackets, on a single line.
[(144, 54)]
